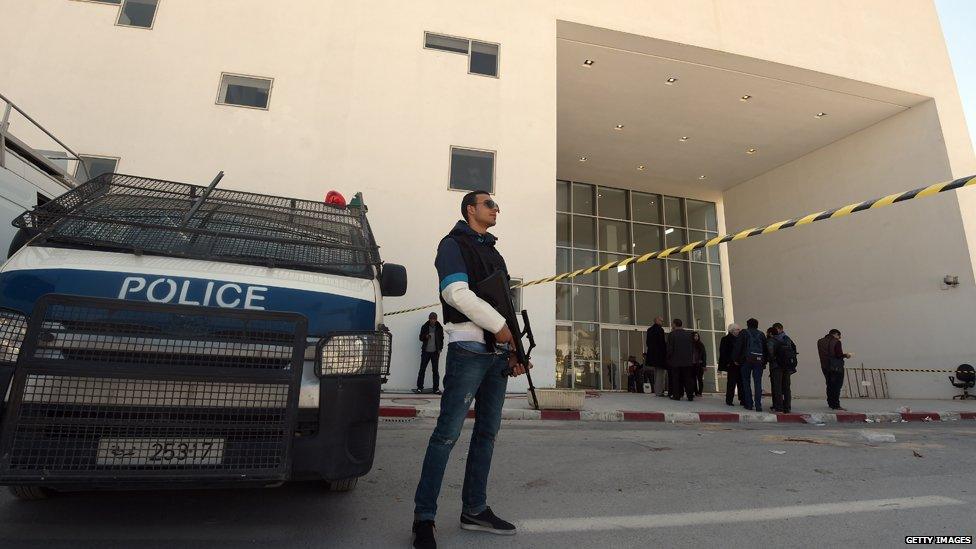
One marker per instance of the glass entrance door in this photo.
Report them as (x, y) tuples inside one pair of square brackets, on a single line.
[(617, 345)]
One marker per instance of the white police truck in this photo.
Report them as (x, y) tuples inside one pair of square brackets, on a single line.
[(161, 334)]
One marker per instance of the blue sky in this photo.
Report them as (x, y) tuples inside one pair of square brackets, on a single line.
[(958, 19)]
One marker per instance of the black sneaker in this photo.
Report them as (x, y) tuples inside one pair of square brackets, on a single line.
[(486, 521), (424, 534)]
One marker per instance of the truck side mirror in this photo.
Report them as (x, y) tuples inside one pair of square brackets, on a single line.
[(393, 280)]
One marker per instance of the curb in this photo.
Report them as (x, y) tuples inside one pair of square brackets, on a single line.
[(693, 417)]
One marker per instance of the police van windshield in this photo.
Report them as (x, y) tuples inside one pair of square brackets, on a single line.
[(123, 213)]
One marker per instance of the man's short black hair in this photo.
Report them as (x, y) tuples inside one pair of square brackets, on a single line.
[(677, 322), (834, 331), (778, 326), (470, 199), (431, 315), (752, 323)]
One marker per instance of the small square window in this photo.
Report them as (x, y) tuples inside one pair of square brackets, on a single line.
[(445, 43), (138, 13), (484, 59), (96, 166), (244, 91), (472, 170)]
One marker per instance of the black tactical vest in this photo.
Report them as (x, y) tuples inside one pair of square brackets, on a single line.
[(480, 262)]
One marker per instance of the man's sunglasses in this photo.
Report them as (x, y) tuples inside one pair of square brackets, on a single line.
[(490, 204)]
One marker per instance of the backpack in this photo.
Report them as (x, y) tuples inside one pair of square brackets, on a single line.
[(786, 355), (755, 355)]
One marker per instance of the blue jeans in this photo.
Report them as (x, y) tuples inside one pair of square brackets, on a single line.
[(471, 373), (753, 373)]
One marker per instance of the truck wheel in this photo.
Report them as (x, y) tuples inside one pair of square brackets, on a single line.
[(29, 493), (343, 485)]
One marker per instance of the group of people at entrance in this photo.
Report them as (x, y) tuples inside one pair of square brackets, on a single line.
[(744, 354), (675, 362)]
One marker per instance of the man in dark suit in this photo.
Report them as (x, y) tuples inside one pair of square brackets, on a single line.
[(681, 350), (657, 355), (432, 341)]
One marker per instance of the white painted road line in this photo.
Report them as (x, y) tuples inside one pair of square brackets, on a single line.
[(638, 522)]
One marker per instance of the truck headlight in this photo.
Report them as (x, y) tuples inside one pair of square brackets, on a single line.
[(13, 328), (355, 354)]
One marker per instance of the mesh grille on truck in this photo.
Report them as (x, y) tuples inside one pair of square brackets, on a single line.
[(111, 389)]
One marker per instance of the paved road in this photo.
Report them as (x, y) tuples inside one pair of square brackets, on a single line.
[(586, 485)]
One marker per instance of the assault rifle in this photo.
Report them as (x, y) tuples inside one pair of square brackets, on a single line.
[(496, 292)]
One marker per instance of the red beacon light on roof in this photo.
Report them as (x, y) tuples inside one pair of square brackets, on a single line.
[(335, 199)]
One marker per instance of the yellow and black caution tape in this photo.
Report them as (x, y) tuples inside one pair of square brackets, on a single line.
[(908, 370), (748, 233)]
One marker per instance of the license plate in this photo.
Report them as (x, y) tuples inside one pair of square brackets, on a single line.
[(160, 451)]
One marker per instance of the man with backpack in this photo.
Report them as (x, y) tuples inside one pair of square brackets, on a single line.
[(782, 365), (750, 355)]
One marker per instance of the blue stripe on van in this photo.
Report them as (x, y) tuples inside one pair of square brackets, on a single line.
[(325, 312)]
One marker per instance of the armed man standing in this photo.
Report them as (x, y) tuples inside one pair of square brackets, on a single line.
[(478, 366)]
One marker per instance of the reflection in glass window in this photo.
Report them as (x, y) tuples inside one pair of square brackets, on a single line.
[(472, 170), (562, 196), (583, 199), (718, 313), (583, 259), (484, 58), (678, 277), (564, 303), (702, 313), (138, 13), (674, 236), (614, 237), (673, 212), (616, 306), (715, 277), (699, 278), (446, 43), (563, 233), (584, 232), (564, 357), (701, 215), (681, 308), (702, 253), (647, 207), (562, 260), (613, 203), (651, 305), (244, 91), (650, 275), (615, 277), (584, 303), (647, 238)]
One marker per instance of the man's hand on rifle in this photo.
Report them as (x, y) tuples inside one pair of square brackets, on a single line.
[(515, 368)]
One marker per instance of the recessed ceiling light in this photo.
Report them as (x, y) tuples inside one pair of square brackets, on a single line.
[(702, 177), (752, 150), (671, 80), (821, 114), (618, 127), (621, 268), (582, 159), (641, 167), (745, 97), (669, 230), (684, 138), (588, 62)]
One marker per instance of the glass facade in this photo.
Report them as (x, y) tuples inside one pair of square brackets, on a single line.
[(601, 317)]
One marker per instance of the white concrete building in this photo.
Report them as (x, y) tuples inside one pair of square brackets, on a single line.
[(766, 110)]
